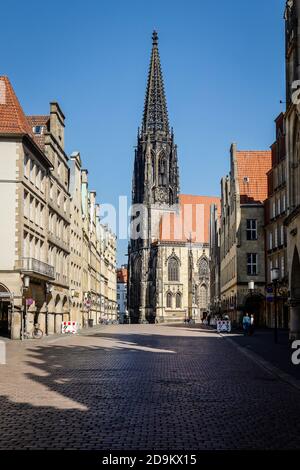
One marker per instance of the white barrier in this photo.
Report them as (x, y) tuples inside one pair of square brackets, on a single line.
[(69, 327), (223, 326), (2, 352)]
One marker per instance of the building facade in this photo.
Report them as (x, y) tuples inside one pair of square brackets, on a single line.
[(182, 261), (215, 263), (24, 184), (122, 280), (242, 236), (276, 242), (292, 127), (49, 134), (60, 261), (76, 240)]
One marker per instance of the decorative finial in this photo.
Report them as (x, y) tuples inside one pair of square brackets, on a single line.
[(154, 38)]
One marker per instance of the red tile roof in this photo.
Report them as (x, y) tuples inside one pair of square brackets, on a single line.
[(252, 167), (122, 274), (12, 118), (192, 220)]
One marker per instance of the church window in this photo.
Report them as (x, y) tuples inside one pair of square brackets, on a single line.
[(203, 267), (173, 270), (178, 300), (203, 297), (169, 300)]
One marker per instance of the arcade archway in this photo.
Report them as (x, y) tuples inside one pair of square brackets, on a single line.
[(5, 308)]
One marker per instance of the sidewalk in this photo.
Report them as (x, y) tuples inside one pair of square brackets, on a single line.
[(262, 343)]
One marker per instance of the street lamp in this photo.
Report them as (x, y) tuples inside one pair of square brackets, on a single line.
[(25, 286), (48, 290), (26, 282), (274, 279), (251, 286)]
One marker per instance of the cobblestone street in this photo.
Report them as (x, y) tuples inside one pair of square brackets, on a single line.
[(142, 387)]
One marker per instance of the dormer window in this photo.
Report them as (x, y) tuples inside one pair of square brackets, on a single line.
[(37, 129)]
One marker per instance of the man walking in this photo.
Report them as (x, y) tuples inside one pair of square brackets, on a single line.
[(246, 324)]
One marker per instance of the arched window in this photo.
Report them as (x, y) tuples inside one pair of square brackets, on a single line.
[(203, 267), (203, 297), (178, 300), (173, 269), (169, 300)]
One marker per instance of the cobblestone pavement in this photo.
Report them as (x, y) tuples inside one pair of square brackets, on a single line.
[(262, 343), (144, 387)]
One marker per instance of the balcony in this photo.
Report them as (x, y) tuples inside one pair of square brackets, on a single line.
[(32, 265)]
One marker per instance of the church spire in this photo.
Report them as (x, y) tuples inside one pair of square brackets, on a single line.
[(155, 116)]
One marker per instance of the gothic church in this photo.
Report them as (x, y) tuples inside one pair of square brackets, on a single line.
[(168, 260)]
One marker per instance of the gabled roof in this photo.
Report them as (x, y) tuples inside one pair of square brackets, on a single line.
[(252, 168), (13, 121), (39, 121), (12, 118), (192, 220)]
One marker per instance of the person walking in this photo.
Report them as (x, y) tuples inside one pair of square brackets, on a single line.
[(246, 324)]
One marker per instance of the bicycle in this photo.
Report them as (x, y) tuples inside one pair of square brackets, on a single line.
[(36, 333)]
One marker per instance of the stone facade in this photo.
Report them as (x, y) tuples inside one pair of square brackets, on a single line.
[(24, 170), (215, 264), (292, 126), (242, 236), (122, 281), (60, 261), (276, 242), (168, 260), (49, 134), (76, 240)]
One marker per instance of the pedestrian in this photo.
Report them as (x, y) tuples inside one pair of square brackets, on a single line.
[(208, 319), (246, 324), (251, 331)]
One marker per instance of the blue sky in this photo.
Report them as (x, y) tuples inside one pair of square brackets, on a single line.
[(223, 66)]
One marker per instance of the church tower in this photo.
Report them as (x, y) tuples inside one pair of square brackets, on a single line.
[(155, 186)]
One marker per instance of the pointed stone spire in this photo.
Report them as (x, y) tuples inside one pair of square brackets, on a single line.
[(155, 116)]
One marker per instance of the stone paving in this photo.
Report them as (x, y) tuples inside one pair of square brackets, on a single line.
[(146, 387)]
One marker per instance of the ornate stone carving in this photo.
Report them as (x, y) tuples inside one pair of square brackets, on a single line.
[(161, 195)]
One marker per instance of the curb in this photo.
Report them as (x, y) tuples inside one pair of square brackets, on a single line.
[(266, 365)]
